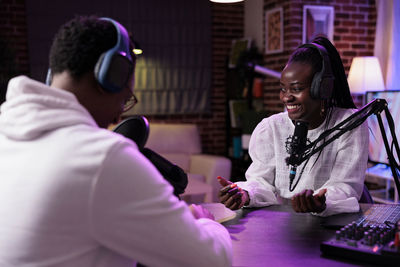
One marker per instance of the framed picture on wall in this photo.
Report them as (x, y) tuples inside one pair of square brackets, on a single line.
[(274, 30), (317, 20)]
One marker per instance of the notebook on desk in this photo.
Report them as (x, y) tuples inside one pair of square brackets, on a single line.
[(220, 212), (369, 214)]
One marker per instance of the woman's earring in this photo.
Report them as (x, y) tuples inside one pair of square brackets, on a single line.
[(322, 112)]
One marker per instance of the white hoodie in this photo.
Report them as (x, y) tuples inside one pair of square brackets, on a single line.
[(72, 194)]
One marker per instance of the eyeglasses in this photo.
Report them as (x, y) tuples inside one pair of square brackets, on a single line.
[(132, 101)]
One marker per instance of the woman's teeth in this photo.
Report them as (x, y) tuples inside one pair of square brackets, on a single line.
[(292, 106)]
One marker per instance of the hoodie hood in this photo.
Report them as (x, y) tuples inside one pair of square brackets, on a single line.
[(33, 108)]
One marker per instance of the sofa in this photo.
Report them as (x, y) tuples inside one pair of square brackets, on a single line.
[(181, 145)]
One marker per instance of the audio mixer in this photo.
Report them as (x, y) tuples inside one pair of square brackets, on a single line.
[(374, 237)]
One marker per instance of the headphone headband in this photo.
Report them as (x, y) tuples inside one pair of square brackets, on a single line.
[(122, 45), (322, 83)]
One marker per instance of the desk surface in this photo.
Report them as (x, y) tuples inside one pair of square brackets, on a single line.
[(277, 236)]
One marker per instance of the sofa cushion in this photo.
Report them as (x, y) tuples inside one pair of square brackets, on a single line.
[(174, 138), (197, 177)]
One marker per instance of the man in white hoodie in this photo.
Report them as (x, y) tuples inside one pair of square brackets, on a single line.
[(75, 194)]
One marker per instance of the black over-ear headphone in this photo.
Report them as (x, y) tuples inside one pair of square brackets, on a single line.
[(322, 83), (114, 66)]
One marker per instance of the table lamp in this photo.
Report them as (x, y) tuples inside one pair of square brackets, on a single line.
[(365, 75)]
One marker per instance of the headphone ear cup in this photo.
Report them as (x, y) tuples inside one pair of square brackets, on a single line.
[(327, 83), (315, 90)]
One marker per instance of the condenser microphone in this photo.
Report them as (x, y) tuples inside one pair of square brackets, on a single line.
[(295, 147)]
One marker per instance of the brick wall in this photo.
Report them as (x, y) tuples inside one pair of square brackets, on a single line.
[(13, 42), (13, 27)]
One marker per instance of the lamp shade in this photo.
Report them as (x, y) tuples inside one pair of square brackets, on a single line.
[(365, 75)]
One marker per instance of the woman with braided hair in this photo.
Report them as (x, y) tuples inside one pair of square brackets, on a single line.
[(314, 90)]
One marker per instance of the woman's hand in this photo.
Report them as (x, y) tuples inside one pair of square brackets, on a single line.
[(306, 201), (232, 196)]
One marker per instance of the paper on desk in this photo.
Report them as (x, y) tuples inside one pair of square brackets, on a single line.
[(220, 212)]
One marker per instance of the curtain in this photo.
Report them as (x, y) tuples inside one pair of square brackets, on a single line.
[(387, 41), (173, 75)]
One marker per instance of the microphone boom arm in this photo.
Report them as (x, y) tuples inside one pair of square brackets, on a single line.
[(374, 107)]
